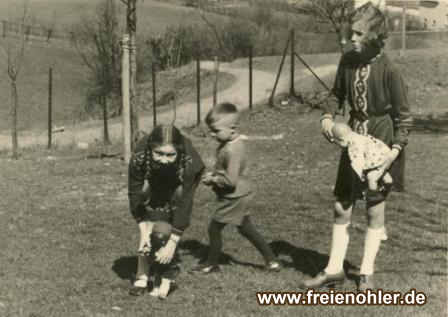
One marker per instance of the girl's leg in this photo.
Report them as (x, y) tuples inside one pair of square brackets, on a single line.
[(334, 272), (340, 238), (248, 231), (141, 278), (375, 233), (215, 236)]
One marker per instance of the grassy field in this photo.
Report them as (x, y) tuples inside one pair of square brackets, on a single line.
[(68, 240)]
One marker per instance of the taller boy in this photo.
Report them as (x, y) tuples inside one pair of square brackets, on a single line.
[(374, 88)]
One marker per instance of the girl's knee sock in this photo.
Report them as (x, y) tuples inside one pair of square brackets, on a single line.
[(371, 247), (339, 246), (141, 278)]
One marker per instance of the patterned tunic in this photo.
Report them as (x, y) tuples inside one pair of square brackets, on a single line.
[(379, 106), (162, 202)]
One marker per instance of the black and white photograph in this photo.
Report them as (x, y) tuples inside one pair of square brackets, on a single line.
[(223, 158)]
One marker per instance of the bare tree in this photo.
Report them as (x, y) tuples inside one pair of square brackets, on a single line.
[(97, 41), (14, 48), (334, 11)]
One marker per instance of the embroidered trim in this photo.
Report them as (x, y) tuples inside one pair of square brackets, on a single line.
[(360, 86)]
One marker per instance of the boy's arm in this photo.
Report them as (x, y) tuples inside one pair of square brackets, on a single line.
[(228, 179)]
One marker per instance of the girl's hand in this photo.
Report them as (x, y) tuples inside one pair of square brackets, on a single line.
[(326, 126), (166, 253), (207, 179), (144, 246)]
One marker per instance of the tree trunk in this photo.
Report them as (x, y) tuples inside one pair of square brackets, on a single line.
[(106, 139), (15, 105), (133, 90)]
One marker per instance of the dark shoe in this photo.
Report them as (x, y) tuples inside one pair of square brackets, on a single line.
[(324, 279), (204, 269), (274, 266), (137, 291), (366, 282)]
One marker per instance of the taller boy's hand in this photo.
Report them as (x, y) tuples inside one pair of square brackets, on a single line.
[(326, 126)]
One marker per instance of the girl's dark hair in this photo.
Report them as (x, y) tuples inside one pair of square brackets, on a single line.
[(165, 134), (375, 22)]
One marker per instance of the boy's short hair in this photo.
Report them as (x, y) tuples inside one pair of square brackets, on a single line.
[(221, 110)]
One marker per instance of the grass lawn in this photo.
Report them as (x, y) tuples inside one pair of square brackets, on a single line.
[(68, 240)]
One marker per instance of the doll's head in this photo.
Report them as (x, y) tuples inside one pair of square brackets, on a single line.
[(342, 134), (160, 235), (368, 30), (222, 121)]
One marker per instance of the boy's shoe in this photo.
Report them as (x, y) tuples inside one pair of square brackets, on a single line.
[(137, 291), (204, 269), (366, 282), (323, 279), (274, 266)]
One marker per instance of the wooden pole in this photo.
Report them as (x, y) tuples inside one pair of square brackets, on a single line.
[(285, 51), (215, 83), (4, 28), (49, 35), (250, 77), (15, 146), (403, 29), (50, 105), (154, 100), (126, 100), (198, 91), (291, 89)]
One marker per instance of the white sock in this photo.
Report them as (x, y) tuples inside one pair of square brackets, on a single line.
[(339, 246), (371, 247), (164, 287), (141, 278)]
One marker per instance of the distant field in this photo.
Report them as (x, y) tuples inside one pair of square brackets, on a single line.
[(152, 16)]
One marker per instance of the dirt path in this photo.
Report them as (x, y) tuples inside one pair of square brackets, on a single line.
[(186, 113)]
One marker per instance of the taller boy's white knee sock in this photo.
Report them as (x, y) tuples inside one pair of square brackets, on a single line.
[(339, 246), (141, 278), (371, 247)]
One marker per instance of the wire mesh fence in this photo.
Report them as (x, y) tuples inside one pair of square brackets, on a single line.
[(76, 118)]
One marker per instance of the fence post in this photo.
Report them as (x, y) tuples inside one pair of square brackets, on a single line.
[(250, 77), (126, 100), (50, 104), (198, 91), (28, 30), (4, 28), (215, 83), (403, 29), (291, 89), (49, 35), (285, 51), (154, 101)]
